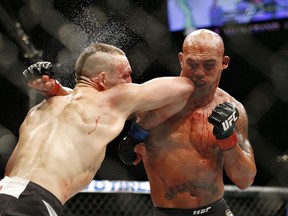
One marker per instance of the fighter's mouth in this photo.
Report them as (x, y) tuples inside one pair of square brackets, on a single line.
[(199, 83)]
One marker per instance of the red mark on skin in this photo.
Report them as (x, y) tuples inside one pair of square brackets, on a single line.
[(1, 187), (204, 142), (97, 120)]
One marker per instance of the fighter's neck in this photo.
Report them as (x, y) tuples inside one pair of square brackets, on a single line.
[(83, 81), (201, 100)]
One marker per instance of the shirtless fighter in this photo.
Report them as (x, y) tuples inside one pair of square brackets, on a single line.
[(63, 139), (184, 156)]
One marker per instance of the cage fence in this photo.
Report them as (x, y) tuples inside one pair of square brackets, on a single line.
[(132, 198)]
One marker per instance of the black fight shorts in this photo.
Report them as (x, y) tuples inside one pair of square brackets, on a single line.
[(217, 208), (22, 197)]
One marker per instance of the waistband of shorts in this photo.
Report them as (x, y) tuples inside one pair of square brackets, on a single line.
[(38, 190), (204, 209), (47, 196)]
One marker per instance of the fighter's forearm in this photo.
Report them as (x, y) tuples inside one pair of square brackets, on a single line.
[(137, 134), (64, 91), (240, 167), (151, 118), (57, 90)]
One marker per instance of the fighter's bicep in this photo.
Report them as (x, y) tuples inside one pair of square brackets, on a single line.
[(242, 127), (242, 123), (134, 98), (160, 92), (154, 93)]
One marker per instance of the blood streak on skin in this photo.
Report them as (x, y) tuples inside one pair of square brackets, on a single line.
[(203, 141), (97, 120)]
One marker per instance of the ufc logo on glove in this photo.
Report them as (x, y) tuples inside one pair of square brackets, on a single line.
[(229, 122)]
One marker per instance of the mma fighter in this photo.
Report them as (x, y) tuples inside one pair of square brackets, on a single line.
[(62, 141)]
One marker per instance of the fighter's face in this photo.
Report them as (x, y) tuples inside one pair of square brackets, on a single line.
[(203, 67), (120, 74)]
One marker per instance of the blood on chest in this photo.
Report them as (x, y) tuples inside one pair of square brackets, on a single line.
[(195, 133)]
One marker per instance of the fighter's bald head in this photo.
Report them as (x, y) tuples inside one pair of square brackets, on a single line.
[(204, 39)]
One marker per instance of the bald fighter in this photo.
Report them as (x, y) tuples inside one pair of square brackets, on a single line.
[(184, 157), (62, 140)]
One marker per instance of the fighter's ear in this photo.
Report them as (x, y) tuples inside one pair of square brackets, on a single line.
[(102, 77), (180, 56), (100, 80), (225, 62)]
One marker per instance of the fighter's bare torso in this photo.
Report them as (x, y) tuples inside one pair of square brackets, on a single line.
[(67, 138), (183, 163), (63, 140)]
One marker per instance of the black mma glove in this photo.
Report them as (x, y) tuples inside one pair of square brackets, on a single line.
[(38, 69), (224, 117), (135, 136)]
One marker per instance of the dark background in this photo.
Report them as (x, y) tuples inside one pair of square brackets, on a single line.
[(58, 30)]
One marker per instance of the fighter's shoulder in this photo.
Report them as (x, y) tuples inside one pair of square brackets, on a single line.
[(123, 90), (224, 96)]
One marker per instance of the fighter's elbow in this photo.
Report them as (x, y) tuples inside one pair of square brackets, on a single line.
[(246, 182), (244, 185)]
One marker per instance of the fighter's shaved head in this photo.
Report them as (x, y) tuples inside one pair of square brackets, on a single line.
[(204, 39), (97, 58)]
